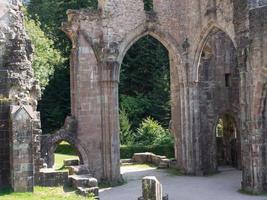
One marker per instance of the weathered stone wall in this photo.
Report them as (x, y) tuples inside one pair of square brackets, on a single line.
[(4, 141), (232, 32), (17, 87)]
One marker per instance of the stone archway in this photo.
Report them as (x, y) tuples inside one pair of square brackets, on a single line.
[(177, 87), (49, 143), (218, 91)]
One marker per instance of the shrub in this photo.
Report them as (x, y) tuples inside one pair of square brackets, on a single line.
[(151, 132)]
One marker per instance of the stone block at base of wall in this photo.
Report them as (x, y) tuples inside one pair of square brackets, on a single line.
[(51, 178)]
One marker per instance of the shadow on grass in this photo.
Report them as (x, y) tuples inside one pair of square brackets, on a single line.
[(5, 191), (67, 189), (251, 193), (109, 185), (173, 172)]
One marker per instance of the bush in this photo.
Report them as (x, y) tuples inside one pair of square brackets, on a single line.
[(151, 132), (163, 150)]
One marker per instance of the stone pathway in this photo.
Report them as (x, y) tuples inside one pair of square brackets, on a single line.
[(222, 186)]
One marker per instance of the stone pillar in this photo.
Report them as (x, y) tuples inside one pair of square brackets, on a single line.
[(21, 151), (152, 189), (110, 121)]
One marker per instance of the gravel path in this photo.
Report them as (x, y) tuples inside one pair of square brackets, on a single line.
[(222, 186)]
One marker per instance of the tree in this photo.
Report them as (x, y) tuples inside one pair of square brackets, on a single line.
[(46, 57), (51, 14)]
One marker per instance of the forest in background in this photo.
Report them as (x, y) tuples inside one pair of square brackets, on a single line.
[(144, 90)]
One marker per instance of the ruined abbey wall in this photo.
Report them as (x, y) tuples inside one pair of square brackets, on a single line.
[(198, 35)]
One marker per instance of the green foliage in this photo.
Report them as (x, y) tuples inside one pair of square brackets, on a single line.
[(148, 5), (55, 103), (151, 132), (164, 150), (52, 13), (46, 57), (126, 133), (135, 107)]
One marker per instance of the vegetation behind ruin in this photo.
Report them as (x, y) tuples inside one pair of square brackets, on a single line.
[(144, 78)]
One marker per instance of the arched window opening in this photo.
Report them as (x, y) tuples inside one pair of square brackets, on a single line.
[(65, 155), (148, 5), (145, 97)]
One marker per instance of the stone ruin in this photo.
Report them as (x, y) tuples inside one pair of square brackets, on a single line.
[(152, 189), (20, 129), (218, 60)]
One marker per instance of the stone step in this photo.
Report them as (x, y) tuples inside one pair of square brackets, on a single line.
[(78, 170), (49, 177), (87, 191), (71, 162), (163, 165), (86, 181), (122, 161)]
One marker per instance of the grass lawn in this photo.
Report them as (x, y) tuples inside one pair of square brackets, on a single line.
[(43, 193), (59, 158), (47, 193)]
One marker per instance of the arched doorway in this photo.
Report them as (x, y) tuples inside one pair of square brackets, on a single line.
[(228, 142), (218, 93)]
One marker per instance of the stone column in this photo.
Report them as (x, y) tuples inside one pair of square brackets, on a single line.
[(110, 121)]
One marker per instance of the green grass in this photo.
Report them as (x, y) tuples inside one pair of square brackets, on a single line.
[(43, 193), (174, 172), (59, 160)]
